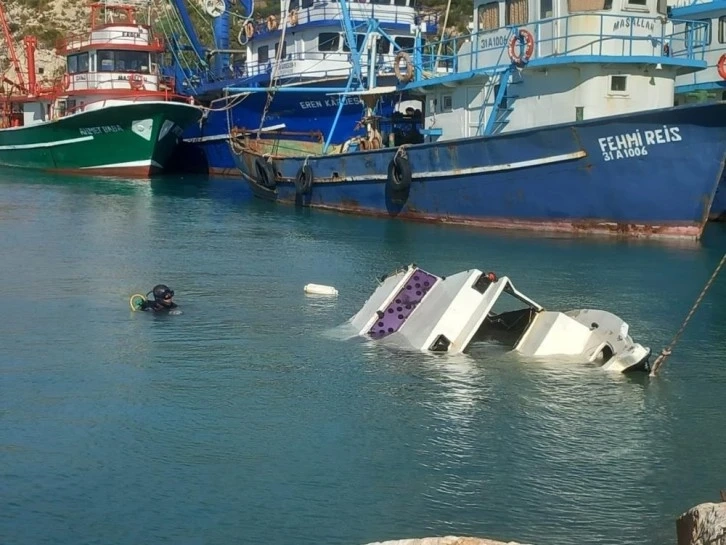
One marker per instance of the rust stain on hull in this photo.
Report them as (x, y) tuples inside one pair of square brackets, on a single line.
[(577, 228)]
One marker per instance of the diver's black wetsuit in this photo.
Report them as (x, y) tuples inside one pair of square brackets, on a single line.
[(156, 306)]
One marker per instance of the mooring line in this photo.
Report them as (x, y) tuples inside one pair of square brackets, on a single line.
[(669, 349)]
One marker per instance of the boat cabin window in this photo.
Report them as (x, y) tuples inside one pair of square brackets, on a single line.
[(722, 30), (637, 2), (307, 3), (707, 30), (78, 63), (545, 9), (294, 4), (516, 12), (488, 16), (328, 41), (123, 61), (574, 6), (405, 43), (383, 46), (618, 83), (400, 2), (281, 54), (263, 53), (359, 38)]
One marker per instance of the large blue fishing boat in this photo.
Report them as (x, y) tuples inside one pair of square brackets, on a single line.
[(558, 115), (305, 47), (707, 85)]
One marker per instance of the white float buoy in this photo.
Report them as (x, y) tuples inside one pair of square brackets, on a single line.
[(319, 289)]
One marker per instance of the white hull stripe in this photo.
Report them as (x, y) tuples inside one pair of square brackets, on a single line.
[(128, 164), (48, 144), (214, 137), (474, 170)]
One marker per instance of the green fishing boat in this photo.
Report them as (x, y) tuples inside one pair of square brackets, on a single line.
[(111, 113)]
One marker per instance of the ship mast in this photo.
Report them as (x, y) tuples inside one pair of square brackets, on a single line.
[(11, 48)]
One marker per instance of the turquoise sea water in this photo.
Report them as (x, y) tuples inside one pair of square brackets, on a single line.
[(243, 421)]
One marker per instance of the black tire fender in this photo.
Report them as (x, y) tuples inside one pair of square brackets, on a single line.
[(304, 180), (399, 173), (265, 173)]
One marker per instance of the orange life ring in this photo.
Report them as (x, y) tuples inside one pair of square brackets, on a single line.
[(271, 22), (524, 36), (721, 65), (66, 81), (249, 30), (136, 81), (400, 75)]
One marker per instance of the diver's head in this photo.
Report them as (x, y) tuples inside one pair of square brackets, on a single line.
[(162, 294)]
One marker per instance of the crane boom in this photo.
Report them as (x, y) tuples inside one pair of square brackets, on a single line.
[(11, 48)]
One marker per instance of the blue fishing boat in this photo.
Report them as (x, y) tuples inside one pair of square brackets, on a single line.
[(708, 85), (557, 116), (305, 47)]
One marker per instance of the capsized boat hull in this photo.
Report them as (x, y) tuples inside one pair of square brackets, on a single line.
[(414, 309)]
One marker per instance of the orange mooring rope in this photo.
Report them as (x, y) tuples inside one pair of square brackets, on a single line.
[(669, 349)]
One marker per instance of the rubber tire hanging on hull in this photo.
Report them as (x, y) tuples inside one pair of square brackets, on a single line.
[(399, 174), (304, 180), (265, 173)]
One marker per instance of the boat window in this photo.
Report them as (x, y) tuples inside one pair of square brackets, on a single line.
[(359, 38), (383, 46), (574, 6), (83, 62), (637, 2), (707, 30), (307, 3), (328, 41), (405, 42), (545, 9), (516, 12), (488, 16), (294, 4), (281, 54), (722, 30), (72, 64), (263, 53), (618, 83), (123, 61), (400, 2), (447, 103)]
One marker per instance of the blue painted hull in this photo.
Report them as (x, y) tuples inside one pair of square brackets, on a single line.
[(206, 148), (649, 174)]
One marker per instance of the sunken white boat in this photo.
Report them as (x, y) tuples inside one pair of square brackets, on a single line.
[(414, 309)]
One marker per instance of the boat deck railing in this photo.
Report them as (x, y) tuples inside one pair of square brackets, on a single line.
[(319, 11), (583, 37), (110, 38)]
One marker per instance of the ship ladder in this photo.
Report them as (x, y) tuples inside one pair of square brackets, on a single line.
[(501, 107)]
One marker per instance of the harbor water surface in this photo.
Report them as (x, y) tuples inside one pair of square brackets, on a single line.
[(245, 420)]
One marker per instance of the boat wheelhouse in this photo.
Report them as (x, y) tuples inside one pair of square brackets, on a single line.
[(306, 46)]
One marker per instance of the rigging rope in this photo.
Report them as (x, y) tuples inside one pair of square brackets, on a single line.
[(275, 69), (660, 360)]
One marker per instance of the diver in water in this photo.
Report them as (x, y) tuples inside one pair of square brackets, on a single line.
[(163, 300)]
